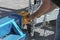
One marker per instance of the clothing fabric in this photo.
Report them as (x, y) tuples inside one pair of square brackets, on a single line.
[(57, 35)]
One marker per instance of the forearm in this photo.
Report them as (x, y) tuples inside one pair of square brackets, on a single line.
[(46, 7)]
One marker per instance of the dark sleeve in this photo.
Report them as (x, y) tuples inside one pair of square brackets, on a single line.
[(57, 2)]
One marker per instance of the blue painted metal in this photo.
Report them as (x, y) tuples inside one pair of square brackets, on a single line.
[(4, 30), (12, 21), (18, 20), (18, 29), (14, 37)]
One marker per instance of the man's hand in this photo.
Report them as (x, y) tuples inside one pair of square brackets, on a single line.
[(34, 15), (31, 17)]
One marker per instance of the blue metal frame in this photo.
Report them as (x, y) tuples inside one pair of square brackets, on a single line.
[(15, 25)]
